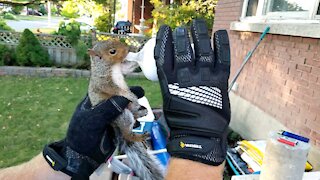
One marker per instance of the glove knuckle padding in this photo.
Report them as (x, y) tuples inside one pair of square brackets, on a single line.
[(199, 119)]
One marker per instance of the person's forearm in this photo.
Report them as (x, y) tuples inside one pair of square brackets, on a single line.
[(36, 169), (191, 170)]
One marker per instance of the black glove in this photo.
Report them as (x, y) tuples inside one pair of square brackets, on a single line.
[(90, 138), (195, 91)]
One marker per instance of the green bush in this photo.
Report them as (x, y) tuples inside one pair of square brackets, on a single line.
[(83, 59), (69, 10), (17, 10), (176, 15), (81, 50), (7, 56), (104, 22), (9, 16), (4, 26), (43, 9), (29, 51), (54, 10), (71, 31)]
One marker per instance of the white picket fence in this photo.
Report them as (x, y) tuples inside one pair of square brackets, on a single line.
[(61, 51)]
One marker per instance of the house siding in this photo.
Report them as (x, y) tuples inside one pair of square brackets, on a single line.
[(283, 76)]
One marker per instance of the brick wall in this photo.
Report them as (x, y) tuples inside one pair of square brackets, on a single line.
[(283, 76), (226, 12)]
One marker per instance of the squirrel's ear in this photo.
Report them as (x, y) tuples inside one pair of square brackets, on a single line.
[(92, 52)]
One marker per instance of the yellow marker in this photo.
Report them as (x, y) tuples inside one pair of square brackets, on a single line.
[(182, 145)]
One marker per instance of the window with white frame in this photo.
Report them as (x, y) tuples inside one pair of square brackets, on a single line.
[(281, 9)]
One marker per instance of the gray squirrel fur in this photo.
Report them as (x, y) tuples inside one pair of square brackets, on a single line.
[(107, 80)]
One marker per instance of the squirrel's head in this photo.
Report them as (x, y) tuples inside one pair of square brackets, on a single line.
[(111, 50)]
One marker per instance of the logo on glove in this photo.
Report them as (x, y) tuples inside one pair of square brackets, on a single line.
[(185, 145)]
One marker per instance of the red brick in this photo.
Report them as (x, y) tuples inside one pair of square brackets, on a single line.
[(292, 85), (301, 103), (288, 44), (314, 86), (316, 93), (314, 125), (315, 135), (313, 142), (301, 82), (309, 77), (310, 40), (310, 115), (281, 49), (297, 94), (296, 39), (298, 59), (314, 48), (283, 37), (303, 130), (292, 51), (305, 90), (292, 107), (315, 71), (302, 46), (305, 68), (315, 110), (306, 54), (313, 62)]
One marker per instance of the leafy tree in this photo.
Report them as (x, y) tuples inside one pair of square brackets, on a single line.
[(181, 14), (29, 51), (17, 9), (4, 26), (104, 22), (70, 10), (43, 9), (8, 15), (71, 30)]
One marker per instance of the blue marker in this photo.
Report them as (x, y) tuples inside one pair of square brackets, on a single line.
[(294, 136)]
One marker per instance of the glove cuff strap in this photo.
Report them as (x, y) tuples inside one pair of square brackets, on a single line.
[(63, 158), (211, 151)]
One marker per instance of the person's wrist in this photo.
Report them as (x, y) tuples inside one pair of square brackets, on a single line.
[(207, 150), (62, 158)]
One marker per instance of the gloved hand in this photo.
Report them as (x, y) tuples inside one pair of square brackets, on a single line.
[(90, 137), (195, 91)]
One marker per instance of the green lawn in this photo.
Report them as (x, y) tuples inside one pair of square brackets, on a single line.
[(35, 111)]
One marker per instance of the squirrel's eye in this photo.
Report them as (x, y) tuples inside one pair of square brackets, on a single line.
[(112, 51)]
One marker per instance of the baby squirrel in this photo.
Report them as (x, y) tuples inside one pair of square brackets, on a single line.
[(107, 80)]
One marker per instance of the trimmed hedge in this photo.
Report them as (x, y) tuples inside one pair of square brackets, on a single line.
[(7, 56), (29, 52)]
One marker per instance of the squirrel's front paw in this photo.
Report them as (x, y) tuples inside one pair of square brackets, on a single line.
[(145, 135), (132, 137)]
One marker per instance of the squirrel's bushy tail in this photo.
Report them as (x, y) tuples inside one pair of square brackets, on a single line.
[(144, 165)]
